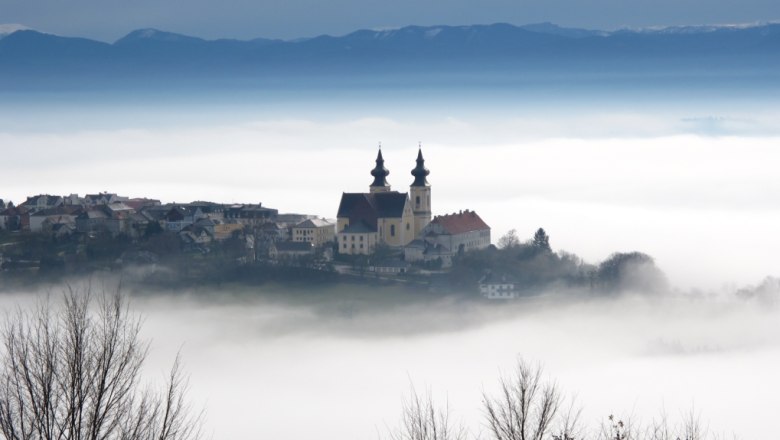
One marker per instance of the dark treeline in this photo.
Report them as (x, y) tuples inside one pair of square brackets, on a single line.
[(534, 267)]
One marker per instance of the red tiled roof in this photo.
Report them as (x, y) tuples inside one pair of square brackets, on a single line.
[(465, 221)]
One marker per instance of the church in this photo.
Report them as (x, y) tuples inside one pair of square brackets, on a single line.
[(383, 216)]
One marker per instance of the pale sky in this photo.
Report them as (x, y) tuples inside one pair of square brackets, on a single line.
[(109, 20)]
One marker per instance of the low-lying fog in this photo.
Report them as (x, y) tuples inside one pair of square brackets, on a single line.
[(695, 185), (336, 364)]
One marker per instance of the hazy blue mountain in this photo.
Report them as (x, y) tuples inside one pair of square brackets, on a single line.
[(152, 56), (554, 29), (8, 29)]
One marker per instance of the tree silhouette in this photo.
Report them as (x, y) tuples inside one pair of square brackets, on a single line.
[(73, 373), (541, 240), (525, 408), (509, 240)]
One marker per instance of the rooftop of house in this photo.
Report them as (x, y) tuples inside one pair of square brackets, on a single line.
[(314, 223), (461, 222), (59, 210), (388, 204), (46, 198), (119, 206), (94, 214), (141, 202)]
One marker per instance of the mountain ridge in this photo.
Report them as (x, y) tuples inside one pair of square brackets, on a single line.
[(501, 48), (540, 27)]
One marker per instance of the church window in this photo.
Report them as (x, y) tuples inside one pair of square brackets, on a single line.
[(392, 230), (407, 226), (417, 200)]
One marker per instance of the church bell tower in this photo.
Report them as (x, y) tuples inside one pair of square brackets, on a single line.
[(420, 194), (380, 174)]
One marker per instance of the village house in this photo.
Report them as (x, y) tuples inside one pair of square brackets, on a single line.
[(292, 219), (251, 214), (11, 217), (460, 232), (41, 201), (93, 220), (498, 287), (449, 235), (103, 198), (224, 230), (73, 200), (115, 218), (318, 232), (44, 219), (179, 217), (211, 210), (196, 235), (140, 203)]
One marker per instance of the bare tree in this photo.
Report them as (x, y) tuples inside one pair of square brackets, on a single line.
[(568, 425), (525, 408), (73, 373), (689, 428), (616, 429), (422, 420), (509, 240)]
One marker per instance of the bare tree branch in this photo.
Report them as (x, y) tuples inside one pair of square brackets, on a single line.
[(73, 374), (421, 419), (525, 407)]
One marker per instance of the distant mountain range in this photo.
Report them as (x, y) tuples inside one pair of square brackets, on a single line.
[(31, 58)]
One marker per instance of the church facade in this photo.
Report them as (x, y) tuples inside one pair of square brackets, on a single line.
[(383, 217)]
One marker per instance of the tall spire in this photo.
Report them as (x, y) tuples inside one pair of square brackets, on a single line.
[(379, 172), (420, 172)]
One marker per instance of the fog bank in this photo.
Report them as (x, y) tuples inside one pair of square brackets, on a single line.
[(344, 367)]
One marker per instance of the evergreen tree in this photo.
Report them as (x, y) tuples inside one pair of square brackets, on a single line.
[(542, 240)]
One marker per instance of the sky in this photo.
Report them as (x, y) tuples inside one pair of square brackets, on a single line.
[(109, 20)]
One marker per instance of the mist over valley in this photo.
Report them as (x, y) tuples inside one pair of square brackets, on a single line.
[(627, 179)]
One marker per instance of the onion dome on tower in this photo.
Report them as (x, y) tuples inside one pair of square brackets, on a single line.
[(380, 174), (420, 172)]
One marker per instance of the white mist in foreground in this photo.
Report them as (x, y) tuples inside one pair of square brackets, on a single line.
[(266, 370)]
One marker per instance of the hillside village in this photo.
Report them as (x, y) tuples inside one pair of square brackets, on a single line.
[(382, 232)]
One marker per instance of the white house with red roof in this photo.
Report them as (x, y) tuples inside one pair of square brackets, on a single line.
[(448, 235)]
